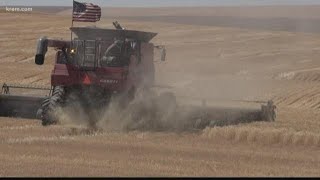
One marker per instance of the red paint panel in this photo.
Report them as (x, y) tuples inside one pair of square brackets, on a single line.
[(110, 78)]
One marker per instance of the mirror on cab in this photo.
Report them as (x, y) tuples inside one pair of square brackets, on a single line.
[(163, 52)]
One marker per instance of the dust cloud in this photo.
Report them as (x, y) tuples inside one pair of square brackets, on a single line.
[(148, 111)]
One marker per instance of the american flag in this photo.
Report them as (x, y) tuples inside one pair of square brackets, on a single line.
[(86, 12)]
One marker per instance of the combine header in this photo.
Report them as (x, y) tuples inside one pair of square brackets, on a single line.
[(19, 105), (100, 64)]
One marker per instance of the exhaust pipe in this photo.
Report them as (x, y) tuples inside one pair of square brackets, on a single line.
[(42, 48)]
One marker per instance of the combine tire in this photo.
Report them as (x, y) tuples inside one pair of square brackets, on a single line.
[(49, 105)]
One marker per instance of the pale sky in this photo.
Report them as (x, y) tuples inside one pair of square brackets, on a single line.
[(156, 3)]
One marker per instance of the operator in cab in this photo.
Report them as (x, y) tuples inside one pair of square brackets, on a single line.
[(117, 55)]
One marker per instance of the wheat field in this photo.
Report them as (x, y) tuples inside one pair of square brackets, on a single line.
[(203, 61)]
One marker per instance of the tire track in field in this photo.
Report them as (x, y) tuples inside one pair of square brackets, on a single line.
[(306, 94), (308, 98)]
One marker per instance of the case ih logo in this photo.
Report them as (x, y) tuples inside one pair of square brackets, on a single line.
[(109, 81)]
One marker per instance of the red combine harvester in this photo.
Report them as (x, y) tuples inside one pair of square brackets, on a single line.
[(95, 65), (100, 64)]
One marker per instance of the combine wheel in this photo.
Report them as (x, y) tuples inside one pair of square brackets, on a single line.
[(49, 105)]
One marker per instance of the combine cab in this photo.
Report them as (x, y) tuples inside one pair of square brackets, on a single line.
[(100, 64)]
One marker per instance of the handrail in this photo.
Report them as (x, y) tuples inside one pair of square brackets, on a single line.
[(6, 87)]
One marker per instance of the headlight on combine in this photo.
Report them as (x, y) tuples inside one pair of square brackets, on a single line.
[(72, 51)]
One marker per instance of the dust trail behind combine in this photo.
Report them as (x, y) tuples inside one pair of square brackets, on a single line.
[(149, 111), (145, 113)]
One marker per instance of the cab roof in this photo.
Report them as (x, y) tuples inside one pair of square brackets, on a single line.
[(92, 33)]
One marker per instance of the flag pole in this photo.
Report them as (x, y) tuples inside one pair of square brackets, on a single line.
[(72, 17)]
